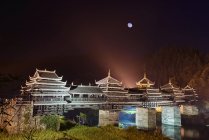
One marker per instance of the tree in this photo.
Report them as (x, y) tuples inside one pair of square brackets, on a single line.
[(51, 121)]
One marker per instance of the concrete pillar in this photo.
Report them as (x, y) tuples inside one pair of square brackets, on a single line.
[(171, 131), (189, 110), (171, 115), (108, 117), (145, 118), (127, 117)]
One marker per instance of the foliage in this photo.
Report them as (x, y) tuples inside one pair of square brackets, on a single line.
[(177, 63), (91, 133), (83, 117), (51, 121), (182, 65), (9, 85), (66, 124), (27, 116), (29, 134), (112, 133), (200, 81)]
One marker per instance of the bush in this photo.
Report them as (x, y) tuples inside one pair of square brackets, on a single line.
[(66, 124), (51, 121)]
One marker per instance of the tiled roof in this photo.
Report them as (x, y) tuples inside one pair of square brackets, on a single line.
[(169, 86), (145, 81), (108, 80), (187, 88), (85, 89), (46, 74)]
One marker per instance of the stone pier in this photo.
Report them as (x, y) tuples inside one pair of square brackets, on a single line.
[(189, 110), (108, 117), (171, 115), (171, 131), (145, 118)]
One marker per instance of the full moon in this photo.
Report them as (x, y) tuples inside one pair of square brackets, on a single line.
[(130, 25)]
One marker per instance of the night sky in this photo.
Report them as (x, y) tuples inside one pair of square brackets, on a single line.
[(83, 39)]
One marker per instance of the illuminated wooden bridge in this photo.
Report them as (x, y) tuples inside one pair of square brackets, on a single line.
[(48, 94)]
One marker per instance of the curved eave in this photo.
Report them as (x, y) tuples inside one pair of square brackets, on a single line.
[(45, 78), (38, 83), (140, 84), (58, 90), (106, 81), (52, 94)]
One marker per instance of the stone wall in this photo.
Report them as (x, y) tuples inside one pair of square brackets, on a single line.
[(145, 118), (171, 115), (21, 119), (108, 117)]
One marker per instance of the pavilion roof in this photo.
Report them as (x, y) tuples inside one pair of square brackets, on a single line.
[(46, 74), (170, 85), (188, 88), (46, 82), (108, 80), (145, 81)]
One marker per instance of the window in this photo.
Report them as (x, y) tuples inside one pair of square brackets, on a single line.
[(85, 95), (76, 95)]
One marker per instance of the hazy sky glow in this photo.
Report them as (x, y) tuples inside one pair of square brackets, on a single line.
[(83, 39)]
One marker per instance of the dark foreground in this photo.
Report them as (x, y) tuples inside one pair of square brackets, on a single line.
[(87, 133)]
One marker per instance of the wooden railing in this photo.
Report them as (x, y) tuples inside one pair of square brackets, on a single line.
[(88, 99)]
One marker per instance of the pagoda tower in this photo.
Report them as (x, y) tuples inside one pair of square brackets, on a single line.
[(145, 92), (190, 94), (113, 89), (48, 93), (172, 92)]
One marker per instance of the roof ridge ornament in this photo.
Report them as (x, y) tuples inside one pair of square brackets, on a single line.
[(145, 75), (109, 73), (169, 81)]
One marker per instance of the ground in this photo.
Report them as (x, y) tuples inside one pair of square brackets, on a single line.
[(87, 133)]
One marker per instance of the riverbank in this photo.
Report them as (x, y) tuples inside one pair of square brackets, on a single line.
[(87, 133)]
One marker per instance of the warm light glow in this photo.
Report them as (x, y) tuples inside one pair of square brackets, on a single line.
[(158, 109)]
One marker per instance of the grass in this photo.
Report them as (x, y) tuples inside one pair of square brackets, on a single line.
[(89, 133)]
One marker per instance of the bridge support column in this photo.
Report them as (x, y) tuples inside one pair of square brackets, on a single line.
[(171, 115), (171, 131), (145, 118), (108, 117), (189, 110)]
